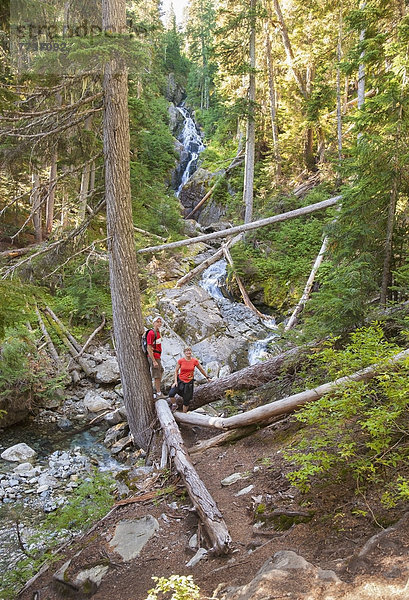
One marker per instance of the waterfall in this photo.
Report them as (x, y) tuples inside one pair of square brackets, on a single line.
[(213, 280), (191, 140)]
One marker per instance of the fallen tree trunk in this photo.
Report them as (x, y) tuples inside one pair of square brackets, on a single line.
[(305, 210), (202, 501), (308, 286), (50, 345), (236, 161), (286, 405), (246, 379), (206, 263), (244, 294)]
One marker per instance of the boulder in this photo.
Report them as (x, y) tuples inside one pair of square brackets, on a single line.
[(131, 536), (175, 121), (107, 371), (94, 402), (19, 453), (174, 91), (286, 574)]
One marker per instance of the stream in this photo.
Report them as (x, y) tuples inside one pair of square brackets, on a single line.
[(214, 277)]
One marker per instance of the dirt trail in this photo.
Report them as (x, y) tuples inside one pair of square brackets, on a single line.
[(331, 534)]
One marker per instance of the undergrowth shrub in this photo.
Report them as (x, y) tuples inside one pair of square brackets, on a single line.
[(181, 586), (27, 375), (88, 503), (361, 429)]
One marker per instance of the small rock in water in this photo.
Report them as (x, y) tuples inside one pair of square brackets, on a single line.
[(64, 424)]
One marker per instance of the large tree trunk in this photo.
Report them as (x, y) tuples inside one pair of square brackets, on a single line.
[(202, 501), (251, 123), (49, 209), (85, 181), (286, 405), (386, 274), (361, 68), (245, 379), (273, 102), (36, 205), (123, 269), (306, 210), (288, 49)]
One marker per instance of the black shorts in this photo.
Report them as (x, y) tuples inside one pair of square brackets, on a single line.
[(183, 389)]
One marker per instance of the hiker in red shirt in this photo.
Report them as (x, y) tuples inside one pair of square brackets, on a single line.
[(154, 348), (184, 381)]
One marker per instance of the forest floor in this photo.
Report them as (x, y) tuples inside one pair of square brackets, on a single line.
[(339, 524)]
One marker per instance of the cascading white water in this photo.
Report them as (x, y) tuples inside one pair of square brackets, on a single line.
[(212, 281), (192, 142)]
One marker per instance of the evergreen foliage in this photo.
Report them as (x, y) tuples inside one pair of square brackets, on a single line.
[(359, 431)]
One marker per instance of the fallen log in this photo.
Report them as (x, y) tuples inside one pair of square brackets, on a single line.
[(234, 163), (50, 345), (305, 210), (246, 379), (308, 286), (286, 405), (74, 350), (233, 435), (63, 328), (206, 263), (244, 294), (202, 501)]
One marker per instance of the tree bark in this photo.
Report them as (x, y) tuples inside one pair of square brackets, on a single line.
[(49, 208), (306, 210), (246, 379), (386, 273), (36, 206), (204, 504), (248, 186), (85, 181), (123, 268), (288, 49), (361, 68), (273, 102), (286, 405)]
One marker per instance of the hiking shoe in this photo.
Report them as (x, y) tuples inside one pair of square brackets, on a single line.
[(174, 408), (160, 396)]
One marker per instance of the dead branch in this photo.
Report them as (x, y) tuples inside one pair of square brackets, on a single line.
[(80, 229), (247, 227), (91, 337), (148, 233), (234, 163), (206, 263), (223, 438), (306, 294), (244, 294), (289, 404), (202, 501), (8, 115), (50, 345)]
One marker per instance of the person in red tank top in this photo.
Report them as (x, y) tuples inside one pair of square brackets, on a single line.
[(154, 348), (184, 373)]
